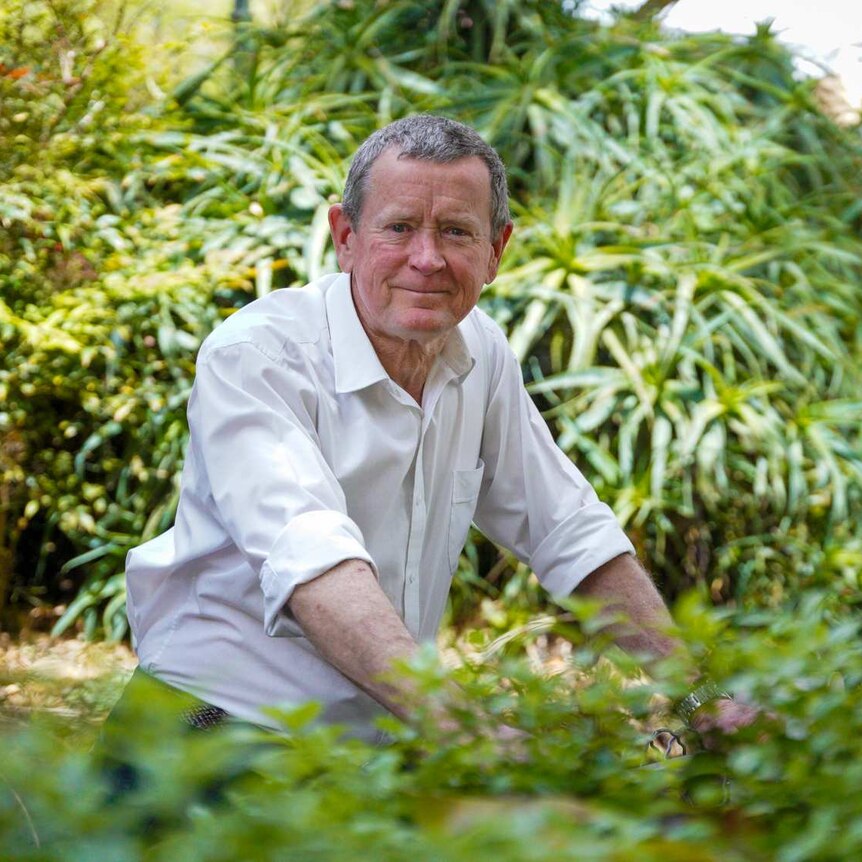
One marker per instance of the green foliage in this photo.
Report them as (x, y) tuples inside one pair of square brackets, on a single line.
[(680, 286), (101, 313), (580, 787), (684, 301)]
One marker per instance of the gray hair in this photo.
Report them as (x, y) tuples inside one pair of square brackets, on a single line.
[(432, 139)]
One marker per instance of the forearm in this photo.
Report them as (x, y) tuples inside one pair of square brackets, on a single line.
[(353, 625), (625, 589)]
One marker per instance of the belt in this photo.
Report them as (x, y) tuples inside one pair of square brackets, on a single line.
[(204, 716), (190, 711)]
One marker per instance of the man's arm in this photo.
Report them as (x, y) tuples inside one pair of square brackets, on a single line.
[(352, 624), (624, 586)]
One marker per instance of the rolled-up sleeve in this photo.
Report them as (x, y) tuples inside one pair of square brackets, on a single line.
[(251, 420), (534, 500)]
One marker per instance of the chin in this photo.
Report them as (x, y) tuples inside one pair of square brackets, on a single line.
[(427, 321)]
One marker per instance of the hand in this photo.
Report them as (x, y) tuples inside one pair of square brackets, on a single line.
[(508, 742), (512, 743), (722, 717)]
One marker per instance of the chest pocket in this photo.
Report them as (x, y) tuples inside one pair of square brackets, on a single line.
[(465, 495)]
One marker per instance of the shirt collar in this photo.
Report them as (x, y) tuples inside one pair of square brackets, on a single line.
[(356, 362), (456, 354)]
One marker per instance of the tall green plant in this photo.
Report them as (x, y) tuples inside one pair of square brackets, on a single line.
[(687, 302)]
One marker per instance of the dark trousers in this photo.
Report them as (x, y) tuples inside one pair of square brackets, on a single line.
[(152, 730)]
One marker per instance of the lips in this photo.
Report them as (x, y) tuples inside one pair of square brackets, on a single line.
[(423, 290)]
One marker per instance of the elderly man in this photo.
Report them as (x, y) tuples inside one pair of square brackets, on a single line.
[(344, 436)]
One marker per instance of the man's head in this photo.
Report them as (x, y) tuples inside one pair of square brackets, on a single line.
[(426, 138), (422, 228)]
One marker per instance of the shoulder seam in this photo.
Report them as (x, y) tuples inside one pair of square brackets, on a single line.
[(278, 359), (237, 342)]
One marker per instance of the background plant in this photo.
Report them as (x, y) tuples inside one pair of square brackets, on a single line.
[(101, 309)]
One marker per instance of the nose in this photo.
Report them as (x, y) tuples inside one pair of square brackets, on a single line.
[(425, 254)]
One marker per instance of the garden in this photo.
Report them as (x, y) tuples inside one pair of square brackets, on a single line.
[(683, 292)]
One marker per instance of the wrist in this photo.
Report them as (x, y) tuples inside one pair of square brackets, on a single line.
[(703, 693)]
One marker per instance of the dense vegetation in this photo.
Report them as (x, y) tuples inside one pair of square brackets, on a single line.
[(789, 789)]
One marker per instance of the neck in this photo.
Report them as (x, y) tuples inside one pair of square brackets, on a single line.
[(408, 363)]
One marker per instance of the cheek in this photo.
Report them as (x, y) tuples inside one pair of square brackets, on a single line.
[(468, 296), (474, 277), (490, 270), (382, 262)]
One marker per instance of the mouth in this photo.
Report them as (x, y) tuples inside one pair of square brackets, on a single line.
[(422, 291)]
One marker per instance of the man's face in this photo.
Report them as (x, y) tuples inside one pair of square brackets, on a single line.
[(423, 248)]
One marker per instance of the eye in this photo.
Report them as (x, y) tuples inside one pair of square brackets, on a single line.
[(399, 227), (456, 231)]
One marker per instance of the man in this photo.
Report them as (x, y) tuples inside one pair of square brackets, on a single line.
[(343, 438)]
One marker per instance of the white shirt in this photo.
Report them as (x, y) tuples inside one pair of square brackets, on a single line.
[(303, 453)]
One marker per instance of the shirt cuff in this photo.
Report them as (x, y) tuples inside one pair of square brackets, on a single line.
[(310, 545), (572, 550)]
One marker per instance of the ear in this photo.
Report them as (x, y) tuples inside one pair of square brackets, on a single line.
[(497, 247), (342, 237)]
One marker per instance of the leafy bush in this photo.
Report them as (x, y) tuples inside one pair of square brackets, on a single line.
[(680, 287), (687, 301), (101, 314), (787, 788)]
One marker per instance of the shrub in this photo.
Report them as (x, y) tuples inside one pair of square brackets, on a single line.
[(101, 313), (788, 788)]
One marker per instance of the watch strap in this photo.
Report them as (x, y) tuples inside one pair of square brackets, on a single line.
[(703, 693)]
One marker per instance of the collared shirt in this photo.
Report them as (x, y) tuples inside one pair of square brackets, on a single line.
[(303, 453)]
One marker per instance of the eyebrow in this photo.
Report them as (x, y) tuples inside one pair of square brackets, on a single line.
[(458, 220)]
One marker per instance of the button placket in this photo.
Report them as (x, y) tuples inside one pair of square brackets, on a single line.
[(437, 382), (415, 543)]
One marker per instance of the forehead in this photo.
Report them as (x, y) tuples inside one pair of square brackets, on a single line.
[(462, 185)]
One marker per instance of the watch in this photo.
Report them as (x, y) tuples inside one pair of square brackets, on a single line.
[(702, 694)]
